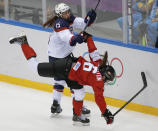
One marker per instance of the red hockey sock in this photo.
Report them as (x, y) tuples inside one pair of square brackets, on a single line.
[(28, 51), (77, 106), (91, 45)]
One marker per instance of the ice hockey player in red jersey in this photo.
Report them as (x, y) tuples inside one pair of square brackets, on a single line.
[(94, 73)]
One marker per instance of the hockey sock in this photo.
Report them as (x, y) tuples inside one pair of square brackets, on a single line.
[(77, 106), (57, 95), (28, 51)]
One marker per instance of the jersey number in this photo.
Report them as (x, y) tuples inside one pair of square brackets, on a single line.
[(89, 67)]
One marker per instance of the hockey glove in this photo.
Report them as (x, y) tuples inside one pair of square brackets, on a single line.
[(76, 39), (85, 35), (108, 117), (91, 16)]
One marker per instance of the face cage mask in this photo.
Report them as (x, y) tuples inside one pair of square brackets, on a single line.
[(61, 13), (108, 72)]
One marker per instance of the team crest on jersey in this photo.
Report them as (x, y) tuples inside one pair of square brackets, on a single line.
[(58, 25), (77, 66)]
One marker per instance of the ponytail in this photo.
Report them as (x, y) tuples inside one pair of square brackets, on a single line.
[(50, 22)]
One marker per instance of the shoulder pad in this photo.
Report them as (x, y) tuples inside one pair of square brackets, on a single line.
[(61, 24)]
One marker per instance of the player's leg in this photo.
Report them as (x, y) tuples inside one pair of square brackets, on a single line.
[(28, 51), (101, 103), (22, 41), (85, 110), (43, 69), (77, 102), (78, 117), (57, 94)]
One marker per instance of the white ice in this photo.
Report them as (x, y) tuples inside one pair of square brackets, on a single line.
[(25, 109)]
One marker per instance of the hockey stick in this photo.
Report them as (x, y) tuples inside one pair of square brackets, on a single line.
[(144, 86), (89, 19)]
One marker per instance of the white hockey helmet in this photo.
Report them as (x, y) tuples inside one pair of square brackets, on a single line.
[(61, 8)]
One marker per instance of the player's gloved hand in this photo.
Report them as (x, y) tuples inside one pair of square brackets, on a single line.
[(108, 117), (85, 35), (76, 39), (91, 16)]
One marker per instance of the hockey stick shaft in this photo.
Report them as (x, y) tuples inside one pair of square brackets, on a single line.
[(88, 20), (144, 86)]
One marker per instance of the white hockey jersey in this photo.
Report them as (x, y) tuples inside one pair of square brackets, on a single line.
[(59, 41)]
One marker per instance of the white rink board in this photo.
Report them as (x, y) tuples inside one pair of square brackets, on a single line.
[(134, 61)]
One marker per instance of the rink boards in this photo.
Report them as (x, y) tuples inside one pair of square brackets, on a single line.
[(128, 59)]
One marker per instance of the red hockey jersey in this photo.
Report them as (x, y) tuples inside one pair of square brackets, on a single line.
[(86, 73)]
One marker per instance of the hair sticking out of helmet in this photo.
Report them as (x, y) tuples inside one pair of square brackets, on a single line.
[(105, 60), (106, 70), (61, 8)]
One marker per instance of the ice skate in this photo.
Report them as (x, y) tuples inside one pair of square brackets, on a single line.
[(19, 39), (86, 112), (55, 108), (80, 120)]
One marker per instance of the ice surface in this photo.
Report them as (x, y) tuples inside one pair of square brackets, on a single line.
[(25, 109)]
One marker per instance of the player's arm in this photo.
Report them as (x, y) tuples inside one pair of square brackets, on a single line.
[(63, 32), (80, 23), (93, 52), (77, 22), (44, 69)]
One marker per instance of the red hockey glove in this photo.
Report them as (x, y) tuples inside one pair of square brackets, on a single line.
[(108, 117)]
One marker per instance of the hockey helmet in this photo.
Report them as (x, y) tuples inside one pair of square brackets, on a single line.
[(108, 72), (61, 8)]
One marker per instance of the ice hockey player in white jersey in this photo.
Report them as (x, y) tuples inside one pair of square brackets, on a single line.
[(61, 44)]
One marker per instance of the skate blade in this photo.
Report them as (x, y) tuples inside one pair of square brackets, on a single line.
[(54, 115), (77, 123)]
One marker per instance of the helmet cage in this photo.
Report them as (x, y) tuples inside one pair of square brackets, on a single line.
[(108, 72)]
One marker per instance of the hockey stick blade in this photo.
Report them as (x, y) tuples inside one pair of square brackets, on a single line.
[(144, 86)]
